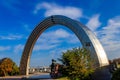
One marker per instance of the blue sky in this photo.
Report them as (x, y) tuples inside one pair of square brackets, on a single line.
[(19, 17)]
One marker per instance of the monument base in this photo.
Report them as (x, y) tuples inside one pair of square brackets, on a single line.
[(102, 73)]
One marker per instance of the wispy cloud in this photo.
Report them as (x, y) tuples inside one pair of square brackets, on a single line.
[(43, 61), (56, 36), (5, 48), (27, 27), (54, 9), (44, 47), (110, 37), (11, 37), (52, 39), (94, 22), (59, 33), (18, 48)]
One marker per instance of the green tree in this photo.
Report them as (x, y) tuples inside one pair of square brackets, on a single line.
[(77, 64), (7, 67), (116, 75), (15, 70)]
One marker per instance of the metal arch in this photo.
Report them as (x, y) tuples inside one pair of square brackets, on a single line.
[(87, 38)]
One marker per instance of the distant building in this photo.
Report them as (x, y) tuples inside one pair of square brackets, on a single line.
[(33, 70), (117, 62)]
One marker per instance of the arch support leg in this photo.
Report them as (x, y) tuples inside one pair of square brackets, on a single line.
[(23, 71)]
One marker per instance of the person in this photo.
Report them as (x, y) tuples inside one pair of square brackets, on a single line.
[(53, 67)]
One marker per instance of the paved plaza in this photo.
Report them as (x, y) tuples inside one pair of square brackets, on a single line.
[(40, 76)]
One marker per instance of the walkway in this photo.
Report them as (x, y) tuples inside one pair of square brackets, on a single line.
[(40, 76)]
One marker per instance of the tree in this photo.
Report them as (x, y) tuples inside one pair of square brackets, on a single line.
[(7, 67), (77, 64), (116, 74), (15, 70)]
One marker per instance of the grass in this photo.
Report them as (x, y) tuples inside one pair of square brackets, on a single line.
[(62, 78)]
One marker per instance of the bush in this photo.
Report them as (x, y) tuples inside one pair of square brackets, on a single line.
[(116, 75)]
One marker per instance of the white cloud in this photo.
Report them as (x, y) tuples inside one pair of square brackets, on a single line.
[(94, 22), (61, 33), (54, 36), (11, 37), (52, 39), (110, 37), (54, 9), (43, 47), (4, 48)]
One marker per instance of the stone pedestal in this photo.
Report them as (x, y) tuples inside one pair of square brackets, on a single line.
[(102, 74)]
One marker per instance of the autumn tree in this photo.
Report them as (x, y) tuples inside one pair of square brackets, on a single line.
[(7, 67), (77, 64)]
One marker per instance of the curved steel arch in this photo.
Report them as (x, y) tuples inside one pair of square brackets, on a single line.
[(87, 38)]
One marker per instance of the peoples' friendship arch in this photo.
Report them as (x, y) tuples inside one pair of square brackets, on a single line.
[(84, 34)]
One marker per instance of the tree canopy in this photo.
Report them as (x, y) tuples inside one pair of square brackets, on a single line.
[(8, 67), (116, 74), (77, 64)]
